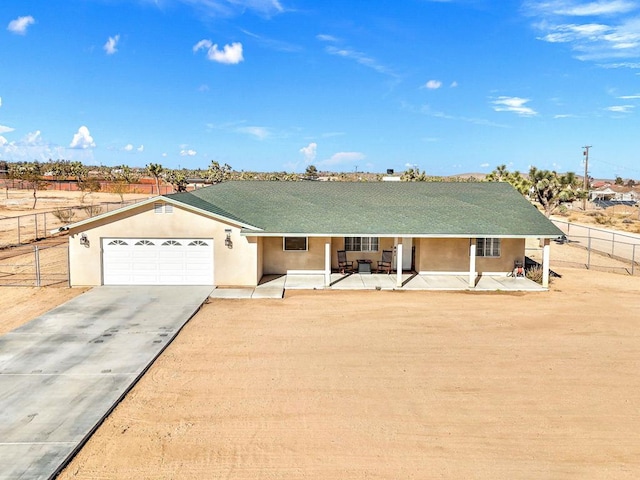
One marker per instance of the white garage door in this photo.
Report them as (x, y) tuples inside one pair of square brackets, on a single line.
[(157, 261)]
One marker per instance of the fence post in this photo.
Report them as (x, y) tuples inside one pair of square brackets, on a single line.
[(613, 243), (589, 251), (37, 260), (633, 259), (36, 222)]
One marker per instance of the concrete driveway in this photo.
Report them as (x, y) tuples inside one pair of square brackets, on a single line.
[(63, 372)]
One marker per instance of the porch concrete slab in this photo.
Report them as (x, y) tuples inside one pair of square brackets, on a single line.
[(270, 281), (63, 372), (275, 292), (232, 293), (508, 284), (446, 282), (415, 282), (341, 281), (304, 282)]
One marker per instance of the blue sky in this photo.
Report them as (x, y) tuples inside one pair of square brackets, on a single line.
[(447, 86)]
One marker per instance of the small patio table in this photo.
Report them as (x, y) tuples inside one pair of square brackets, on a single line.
[(364, 266)]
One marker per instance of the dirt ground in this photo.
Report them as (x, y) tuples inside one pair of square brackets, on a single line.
[(14, 203), (376, 384)]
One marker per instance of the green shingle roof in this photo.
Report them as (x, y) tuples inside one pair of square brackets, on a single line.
[(427, 209)]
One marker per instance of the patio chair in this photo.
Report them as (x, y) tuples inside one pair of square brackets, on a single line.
[(386, 262), (344, 265)]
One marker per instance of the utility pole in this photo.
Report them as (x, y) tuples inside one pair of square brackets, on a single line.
[(585, 184)]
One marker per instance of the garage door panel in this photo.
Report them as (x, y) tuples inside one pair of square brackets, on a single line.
[(152, 261)]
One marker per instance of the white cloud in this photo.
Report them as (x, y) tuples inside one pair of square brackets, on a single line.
[(454, 84), (630, 97), (620, 108), (140, 148), (611, 33), (575, 8), (3, 141), (309, 152), (110, 46), (259, 132), (20, 24), (229, 8), (82, 139), (515, 105), (230, 54), (0, 101), (188, 153), (5, 129), (360, 58), (164, 154), (33, 138), (128, 147), (326, 38), (344, 157), (432, 84), (484, 165)]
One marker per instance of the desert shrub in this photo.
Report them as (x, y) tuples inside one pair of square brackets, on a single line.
[(92, 210), (603, 220), (65, 215), (535, 274), (563, 210)]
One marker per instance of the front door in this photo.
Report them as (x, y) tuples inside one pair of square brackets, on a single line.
[(407, 247)]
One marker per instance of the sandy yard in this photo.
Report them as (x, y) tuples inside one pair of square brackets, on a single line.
[(389, 385)]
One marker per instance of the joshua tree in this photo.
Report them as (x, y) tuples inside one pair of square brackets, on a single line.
[(550, 189), (218, 173), (156, 171)]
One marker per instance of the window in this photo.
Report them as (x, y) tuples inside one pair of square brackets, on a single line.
[(361, 244), (488, 247), (158, 208), (144, 242), (295, 243), (198, 243), (172, 243), (117, 242)]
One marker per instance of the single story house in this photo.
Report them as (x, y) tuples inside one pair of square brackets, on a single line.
[(234, 233)]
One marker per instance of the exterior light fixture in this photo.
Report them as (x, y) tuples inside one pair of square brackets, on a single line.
[(84, 241), (227, 241)]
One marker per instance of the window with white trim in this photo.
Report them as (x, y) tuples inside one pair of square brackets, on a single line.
[(171, 243), (162, 207), (295, 243), (144, 242), (361, 244), (487, 247)]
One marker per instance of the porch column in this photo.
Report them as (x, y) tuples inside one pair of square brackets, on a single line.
[(399, 264), (472, 264), (545, 263), (327, 264)]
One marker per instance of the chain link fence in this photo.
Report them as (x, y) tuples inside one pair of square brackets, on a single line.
[(601, 249), (25, 229), (36, 266)]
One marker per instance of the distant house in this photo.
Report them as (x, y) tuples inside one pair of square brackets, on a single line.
[(613, 194), (234, 233)]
